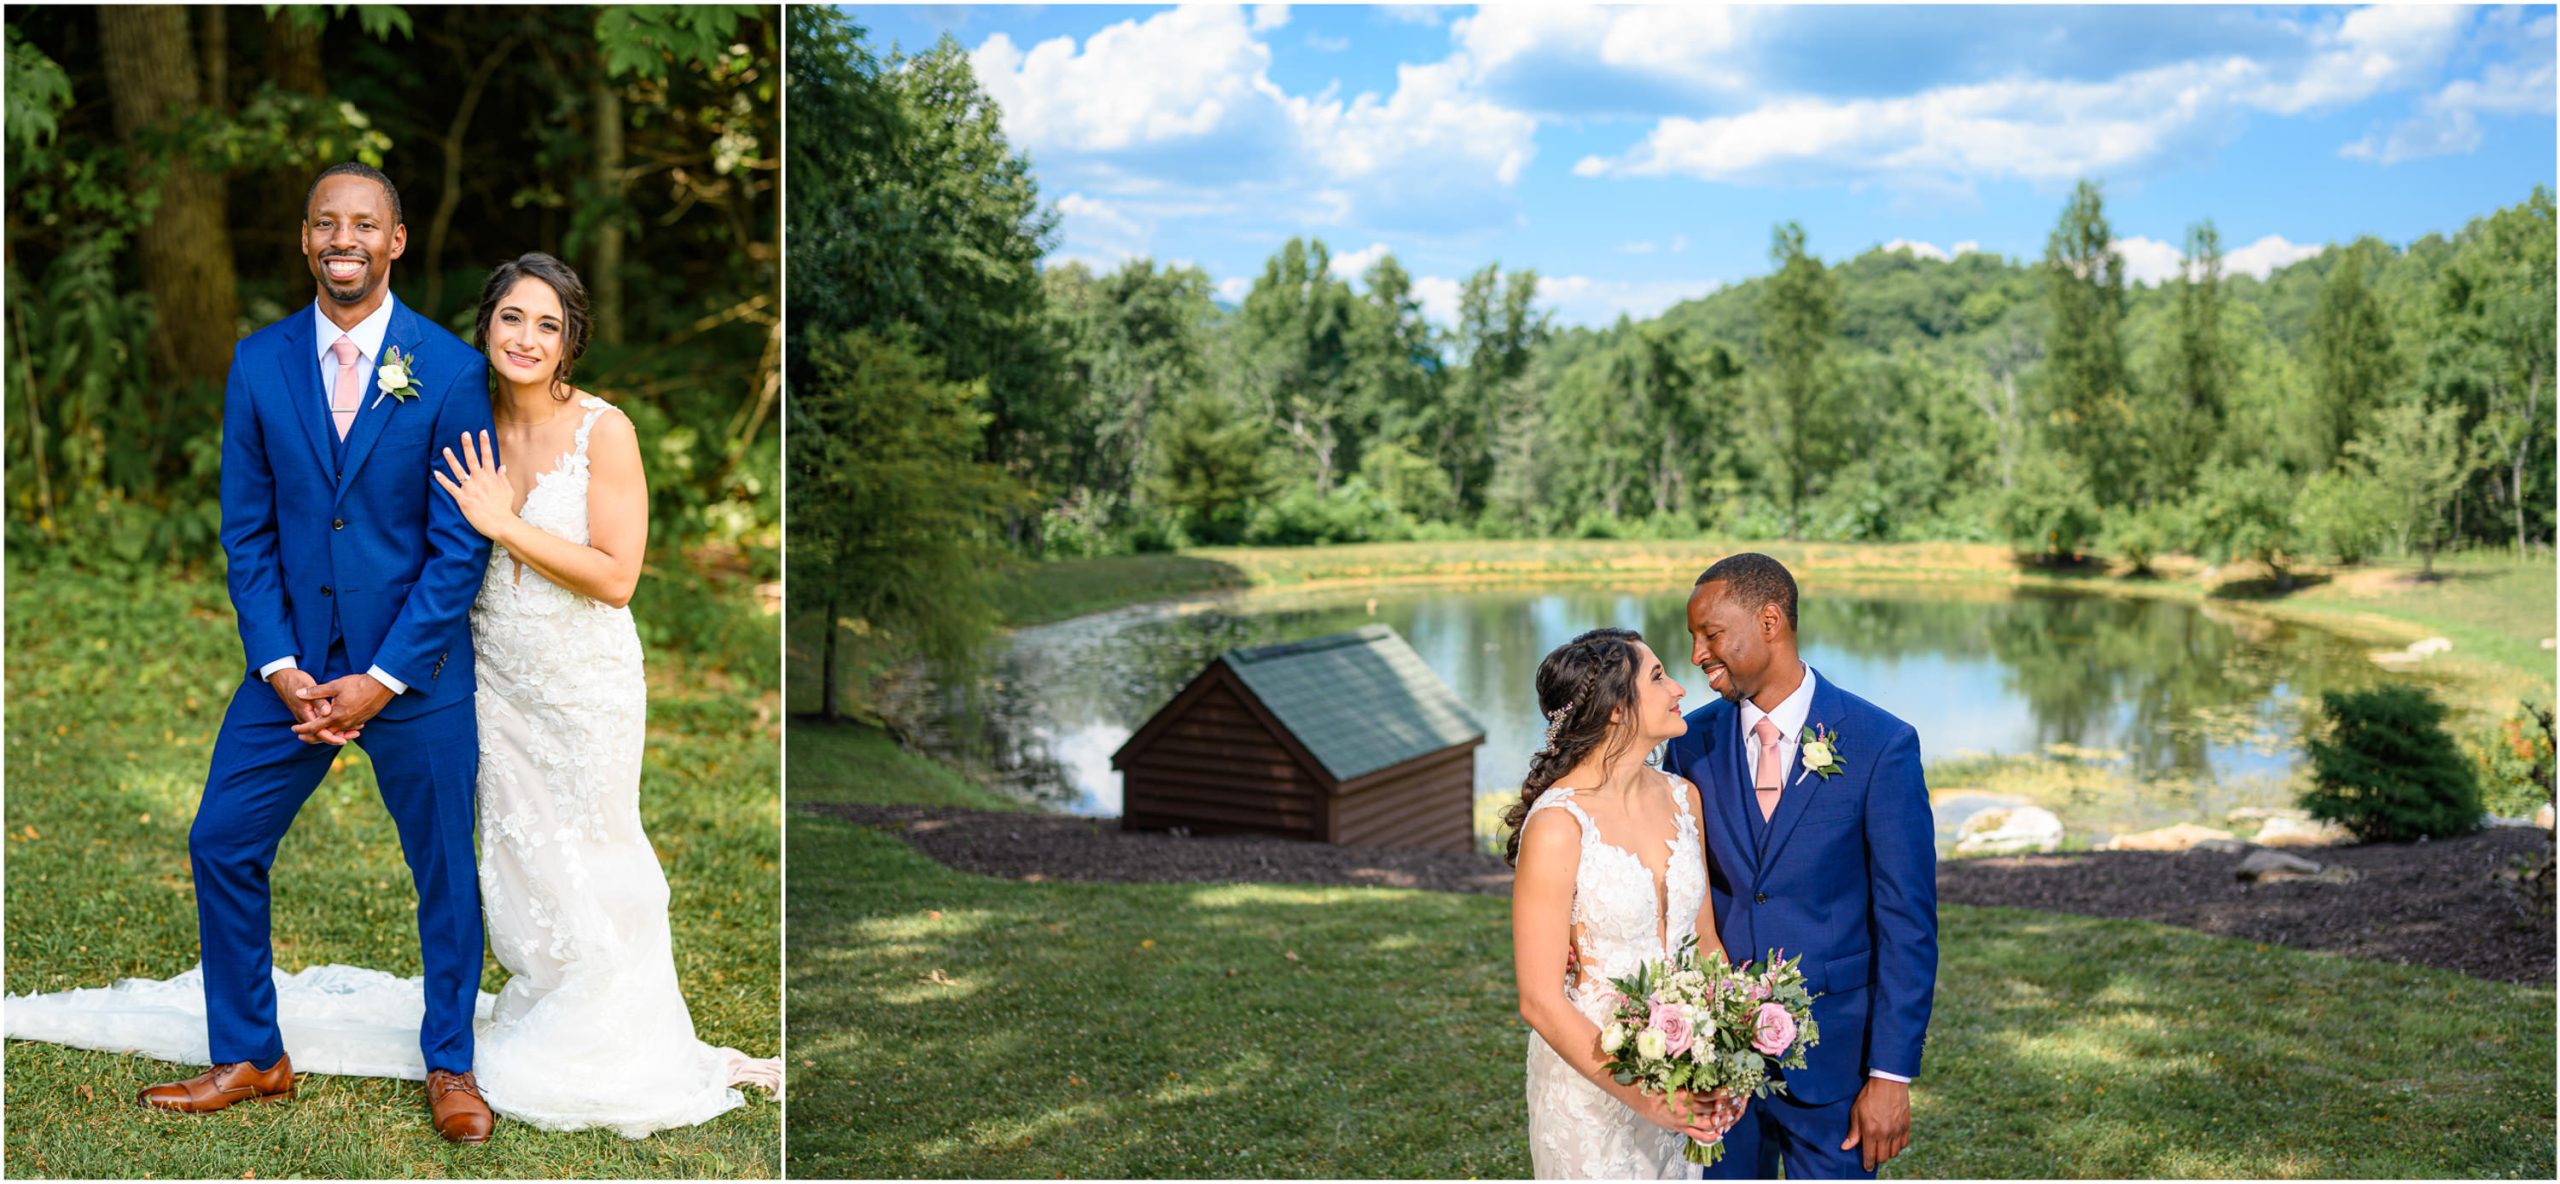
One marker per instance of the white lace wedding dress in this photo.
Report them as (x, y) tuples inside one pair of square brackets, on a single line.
[(591, 1028), (1576, 1130)]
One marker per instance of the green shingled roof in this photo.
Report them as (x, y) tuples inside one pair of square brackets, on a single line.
[(1360, 701)]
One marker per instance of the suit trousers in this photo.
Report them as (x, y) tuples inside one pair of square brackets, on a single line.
[(261, 775), (1806, 1139)]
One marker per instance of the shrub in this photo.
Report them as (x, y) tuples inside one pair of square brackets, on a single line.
[(2140, 535), (2514, 759), (1352, 513), (2347, 517), (2387, 771), (2050, 513)]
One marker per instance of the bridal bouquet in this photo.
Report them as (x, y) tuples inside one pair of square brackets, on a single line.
[(1702, 1024)]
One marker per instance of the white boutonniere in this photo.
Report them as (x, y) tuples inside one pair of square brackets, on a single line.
[(1820, 748), (396, 377)]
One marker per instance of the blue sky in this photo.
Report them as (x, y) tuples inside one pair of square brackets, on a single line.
[(1637, 156)]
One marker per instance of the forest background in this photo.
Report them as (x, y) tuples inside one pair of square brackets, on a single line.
[(958, 408)]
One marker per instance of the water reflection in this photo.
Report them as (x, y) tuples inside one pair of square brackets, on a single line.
[(2152, 690)]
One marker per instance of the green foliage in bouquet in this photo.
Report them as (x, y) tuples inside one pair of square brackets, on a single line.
[(2387, 771)]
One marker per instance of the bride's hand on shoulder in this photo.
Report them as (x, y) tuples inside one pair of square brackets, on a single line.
[(487, 501)]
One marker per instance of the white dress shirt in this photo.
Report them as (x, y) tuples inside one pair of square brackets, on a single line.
[(368, 334), (1790, 718)]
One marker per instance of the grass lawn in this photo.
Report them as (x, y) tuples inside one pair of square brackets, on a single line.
[(953, 1025), (115, 689)]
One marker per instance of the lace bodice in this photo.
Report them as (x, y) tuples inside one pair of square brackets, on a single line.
[(1619, 921)]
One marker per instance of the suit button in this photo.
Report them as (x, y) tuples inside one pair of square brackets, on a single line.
[(339, 524), (324, 589), (1759, 898)]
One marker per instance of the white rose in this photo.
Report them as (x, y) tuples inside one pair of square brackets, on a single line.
[(1613, 1038), (1650, 1045), (1816, 755), (391, 378)]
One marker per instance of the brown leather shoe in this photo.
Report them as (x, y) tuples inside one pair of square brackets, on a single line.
[(222, 1086), (462, 1116)]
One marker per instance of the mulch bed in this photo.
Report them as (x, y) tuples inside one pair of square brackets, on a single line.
[(2438, 904)]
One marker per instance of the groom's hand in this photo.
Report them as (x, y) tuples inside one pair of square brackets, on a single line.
[(1880, 1122), (347, 704), (289, 684)]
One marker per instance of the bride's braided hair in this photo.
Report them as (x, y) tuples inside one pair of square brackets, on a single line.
[(1579, 685)]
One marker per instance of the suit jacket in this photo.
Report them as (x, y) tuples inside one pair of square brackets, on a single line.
[(354, 543), (1846, 877)]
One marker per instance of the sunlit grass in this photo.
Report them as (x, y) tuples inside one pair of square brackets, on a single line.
[(952, 1025), (115, 689)]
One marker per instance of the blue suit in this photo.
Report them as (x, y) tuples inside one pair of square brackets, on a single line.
[(344, 555), (1844, 873)]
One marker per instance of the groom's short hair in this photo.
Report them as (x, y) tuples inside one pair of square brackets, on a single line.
[(356, 168), (1752, 580)]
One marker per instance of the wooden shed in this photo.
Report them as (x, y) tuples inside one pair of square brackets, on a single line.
[(1344, 739)]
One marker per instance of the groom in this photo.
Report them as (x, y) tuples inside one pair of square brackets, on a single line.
[(352, 582), (1822, 847)]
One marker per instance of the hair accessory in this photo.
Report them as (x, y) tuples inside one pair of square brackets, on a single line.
[(1555, 723)]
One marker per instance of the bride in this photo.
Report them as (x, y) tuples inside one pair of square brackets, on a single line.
[(1611, 873), (591, 1028)]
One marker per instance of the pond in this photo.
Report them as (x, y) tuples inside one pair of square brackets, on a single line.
[(2117, 713)]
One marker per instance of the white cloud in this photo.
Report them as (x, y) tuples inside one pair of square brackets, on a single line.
[(1432, 123), (1427, 15), (1353, 265), (1636, 248), (2448, 121), (1584, 300), (2038, 130), (1439, 298), (2148, 260), (1098, 226), (1323, 44), (1233, 289), (2373, 49), (1966, 247), (1178, 75), (2266, 255), (1679, 243), (2046, 130), (1921, 249), (2151, 261), (1689, 46), (1196, 80)]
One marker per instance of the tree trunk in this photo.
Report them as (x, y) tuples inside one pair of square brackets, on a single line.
[(827, 667), (213, 34), (293, 55), (185, 249), (605, 270)]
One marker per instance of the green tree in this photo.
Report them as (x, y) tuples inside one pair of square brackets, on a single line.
[(2421, 458), (1799, 313), (1499, 328), (1211, 466), (2188, 420), (2088, 400), (2245, 511), (2352, 362), (1294, 335), (897, 530)]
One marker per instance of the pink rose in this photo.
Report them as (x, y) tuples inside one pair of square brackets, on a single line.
[(1777, 1030), (1759, 990), (1674, 1026)]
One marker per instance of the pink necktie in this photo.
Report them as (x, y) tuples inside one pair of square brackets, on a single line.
[(344, 396), (1770, 768)]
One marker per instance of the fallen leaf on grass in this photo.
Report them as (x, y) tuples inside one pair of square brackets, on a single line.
[(1291, 955), (933, 914), (940, 979)]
